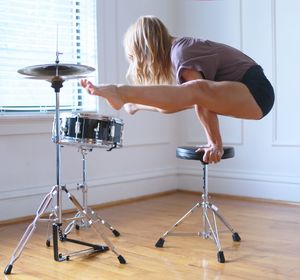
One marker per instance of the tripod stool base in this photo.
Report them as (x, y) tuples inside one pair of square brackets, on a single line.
[(210, 229)]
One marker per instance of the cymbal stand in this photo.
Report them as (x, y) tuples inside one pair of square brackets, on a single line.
[(80, 221), (56, 191), (85, 212)]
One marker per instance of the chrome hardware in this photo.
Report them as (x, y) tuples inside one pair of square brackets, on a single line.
[(97, 129), (77, 126), (112, 131)]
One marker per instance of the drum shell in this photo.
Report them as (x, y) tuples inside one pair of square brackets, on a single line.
[(91, 130)]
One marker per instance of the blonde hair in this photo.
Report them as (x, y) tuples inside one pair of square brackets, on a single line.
[(147, 45)]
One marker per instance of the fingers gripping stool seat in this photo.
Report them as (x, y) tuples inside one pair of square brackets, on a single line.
[(209, 210)]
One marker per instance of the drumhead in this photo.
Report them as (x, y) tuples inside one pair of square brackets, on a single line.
[(91, 116)]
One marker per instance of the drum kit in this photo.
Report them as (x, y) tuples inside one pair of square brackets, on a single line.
[(84, 131)]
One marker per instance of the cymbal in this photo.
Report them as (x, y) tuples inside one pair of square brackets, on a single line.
[(50, 78), (48, 71)]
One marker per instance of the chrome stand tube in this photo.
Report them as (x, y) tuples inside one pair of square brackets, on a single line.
[(79, 220), (58, 154)]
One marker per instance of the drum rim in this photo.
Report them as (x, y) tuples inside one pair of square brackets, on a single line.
[(90, 142), (91, 116)]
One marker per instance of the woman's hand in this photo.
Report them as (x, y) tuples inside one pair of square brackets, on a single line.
[(88, 86), (131, 108), (212, 153)]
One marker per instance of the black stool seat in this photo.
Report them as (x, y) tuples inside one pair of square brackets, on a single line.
[(189, 152)]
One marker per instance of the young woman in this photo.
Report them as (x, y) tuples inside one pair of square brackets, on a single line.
[(213, 78)]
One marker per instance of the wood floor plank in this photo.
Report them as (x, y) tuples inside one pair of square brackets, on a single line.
[(270, 246)]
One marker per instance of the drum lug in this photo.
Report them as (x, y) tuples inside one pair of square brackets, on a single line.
[(112, 131), (77, 127), (97, 131)]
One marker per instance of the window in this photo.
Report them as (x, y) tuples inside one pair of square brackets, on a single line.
[(30, 33)]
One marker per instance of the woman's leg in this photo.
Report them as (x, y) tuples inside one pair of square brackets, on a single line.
[(224, 98)]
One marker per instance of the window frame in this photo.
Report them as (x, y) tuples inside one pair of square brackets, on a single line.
[(36, 122)]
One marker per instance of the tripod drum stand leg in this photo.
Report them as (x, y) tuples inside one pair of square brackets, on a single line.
[(30, 229), (52, 73), (94, 222)]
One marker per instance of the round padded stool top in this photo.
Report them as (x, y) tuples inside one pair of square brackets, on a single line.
[(189, 152)]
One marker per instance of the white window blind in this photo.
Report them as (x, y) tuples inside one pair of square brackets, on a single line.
[(30, 31)]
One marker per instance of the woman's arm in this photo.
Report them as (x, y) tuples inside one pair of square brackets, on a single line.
[(209, 120)]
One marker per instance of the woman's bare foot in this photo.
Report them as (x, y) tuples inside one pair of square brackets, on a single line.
[(109, 92)]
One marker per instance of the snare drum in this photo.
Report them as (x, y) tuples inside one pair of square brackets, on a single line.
[(90, 130)]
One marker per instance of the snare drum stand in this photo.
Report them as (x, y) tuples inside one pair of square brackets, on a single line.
[(89, 216), (80, 220)]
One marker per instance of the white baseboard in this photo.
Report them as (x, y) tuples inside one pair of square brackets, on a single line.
[(25, 201), (240, 183)]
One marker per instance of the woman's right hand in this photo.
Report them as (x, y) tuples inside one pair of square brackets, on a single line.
[(88, 86), (212, 153), (131, 108)]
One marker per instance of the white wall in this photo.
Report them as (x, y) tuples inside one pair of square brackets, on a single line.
[(267, 151), (144, 165)]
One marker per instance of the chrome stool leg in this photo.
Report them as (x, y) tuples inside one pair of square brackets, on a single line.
[(209, 222)]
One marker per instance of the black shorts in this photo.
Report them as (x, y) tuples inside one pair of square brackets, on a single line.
[(260, 88)]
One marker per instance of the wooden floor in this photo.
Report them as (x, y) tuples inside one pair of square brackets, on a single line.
[(270, 246)]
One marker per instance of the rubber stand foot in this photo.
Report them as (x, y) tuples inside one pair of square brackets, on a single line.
[(116, 233), (8, 269), (220, 256), (77, 227), (48, 243), (160, 243), (121, 259), (236, 237)]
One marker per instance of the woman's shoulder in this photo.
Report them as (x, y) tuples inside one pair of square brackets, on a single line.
[(181, 44), (187, 41), (184, 46)]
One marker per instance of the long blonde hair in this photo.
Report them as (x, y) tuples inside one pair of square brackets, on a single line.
[(147, 46)]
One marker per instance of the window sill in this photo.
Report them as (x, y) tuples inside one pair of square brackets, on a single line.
[(26, 123)]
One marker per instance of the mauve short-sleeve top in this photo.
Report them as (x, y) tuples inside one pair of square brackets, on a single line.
[(216, 61)]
